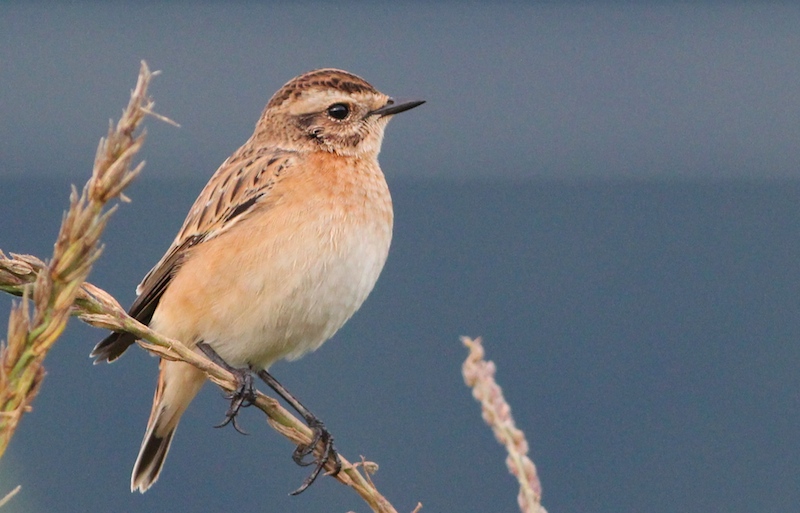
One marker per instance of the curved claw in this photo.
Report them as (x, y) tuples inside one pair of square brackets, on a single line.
[(231, 419), (243, 397), (320, 435), (301, 451)]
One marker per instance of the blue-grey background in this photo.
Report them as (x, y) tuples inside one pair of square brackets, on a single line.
[(608, 192)]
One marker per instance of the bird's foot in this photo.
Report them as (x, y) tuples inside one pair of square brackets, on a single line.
[(242, 397), (328, 453), (321, 436)]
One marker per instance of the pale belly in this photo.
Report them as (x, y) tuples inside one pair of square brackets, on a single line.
[(282, 293)]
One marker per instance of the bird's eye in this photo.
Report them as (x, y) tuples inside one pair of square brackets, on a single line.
[(338, 111)]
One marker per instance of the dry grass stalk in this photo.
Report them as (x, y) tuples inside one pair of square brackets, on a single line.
[(98, 308), (60, 290), (479, 375), (33, 330), (10, 495)]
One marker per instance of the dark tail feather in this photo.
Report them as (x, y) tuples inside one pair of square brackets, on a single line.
[(112, 347), (151, 458)]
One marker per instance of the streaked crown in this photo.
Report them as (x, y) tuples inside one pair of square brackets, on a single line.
[(327, 110)]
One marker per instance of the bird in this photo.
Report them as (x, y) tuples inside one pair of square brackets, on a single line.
[(282, 246)]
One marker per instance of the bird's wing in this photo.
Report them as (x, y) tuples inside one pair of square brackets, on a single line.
[(240, 185)]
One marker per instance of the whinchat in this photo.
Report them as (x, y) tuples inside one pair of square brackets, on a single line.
[(280, 249)]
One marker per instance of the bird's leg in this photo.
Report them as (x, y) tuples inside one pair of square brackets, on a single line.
[(321, 435), (242, 397)]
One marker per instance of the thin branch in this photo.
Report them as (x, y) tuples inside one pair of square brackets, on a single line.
[(479, 375)]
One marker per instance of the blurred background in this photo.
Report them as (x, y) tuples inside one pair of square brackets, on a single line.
[(607, 192)]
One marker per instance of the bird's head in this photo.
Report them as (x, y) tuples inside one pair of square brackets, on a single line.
[(329, 110)]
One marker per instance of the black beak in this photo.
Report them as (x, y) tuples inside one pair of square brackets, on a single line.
[(392, 107)]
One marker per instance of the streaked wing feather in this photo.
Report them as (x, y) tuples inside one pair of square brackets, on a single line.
[(157, 280), (241, 182), (143, 307), (239, 186)]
